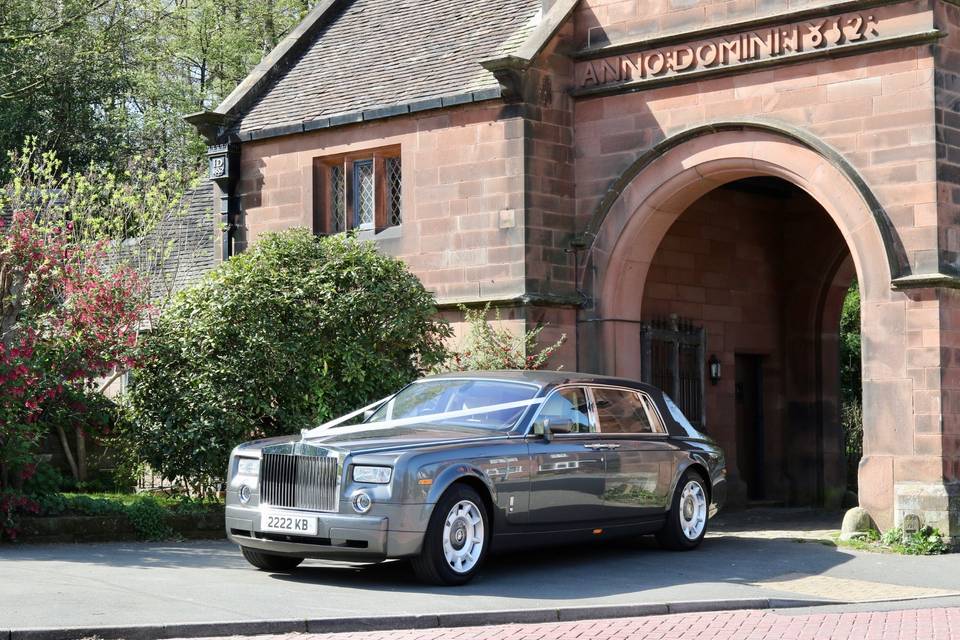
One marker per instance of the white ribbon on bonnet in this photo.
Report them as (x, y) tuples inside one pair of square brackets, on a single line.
[(324, 428)]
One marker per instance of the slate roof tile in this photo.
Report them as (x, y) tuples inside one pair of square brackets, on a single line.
[(376, 54)]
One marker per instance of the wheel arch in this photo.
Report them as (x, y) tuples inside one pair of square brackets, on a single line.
[(698, 467), (469, 476)]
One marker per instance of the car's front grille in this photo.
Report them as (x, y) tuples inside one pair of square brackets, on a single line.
[(299, 482)]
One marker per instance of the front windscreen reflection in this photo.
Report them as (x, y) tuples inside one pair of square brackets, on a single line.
[(433, 397)]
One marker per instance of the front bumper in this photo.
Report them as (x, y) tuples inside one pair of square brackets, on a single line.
[(339, 536)]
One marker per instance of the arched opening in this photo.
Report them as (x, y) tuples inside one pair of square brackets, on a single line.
[(764, 270), (754, 235)]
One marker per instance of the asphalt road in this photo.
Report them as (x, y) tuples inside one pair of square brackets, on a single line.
[(140, 583)]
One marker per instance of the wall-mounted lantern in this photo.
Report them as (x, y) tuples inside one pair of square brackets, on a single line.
[(714, 364)]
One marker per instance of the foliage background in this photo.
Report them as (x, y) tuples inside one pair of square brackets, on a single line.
[(103, 80), (851, 384)]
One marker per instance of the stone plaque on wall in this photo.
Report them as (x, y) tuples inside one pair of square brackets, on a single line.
[(731, 51)]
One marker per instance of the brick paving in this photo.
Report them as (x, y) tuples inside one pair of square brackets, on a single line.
[(910, 624)]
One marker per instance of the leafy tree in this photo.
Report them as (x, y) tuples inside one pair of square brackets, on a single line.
[(65, 319), (62, 77), (192, 55), (490, 346), (850, 361), (851, 383), (102, 80), (104, 233), (279, 338), (136, 213)]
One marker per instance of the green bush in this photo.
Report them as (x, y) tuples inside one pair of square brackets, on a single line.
[(149, 514), (489, 346), (293, 332), (925, 542), (149, 518)]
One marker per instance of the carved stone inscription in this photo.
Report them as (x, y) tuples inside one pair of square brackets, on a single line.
[(751, 46)]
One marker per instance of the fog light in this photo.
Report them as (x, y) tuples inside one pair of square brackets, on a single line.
[(244, 494), (362, 502)]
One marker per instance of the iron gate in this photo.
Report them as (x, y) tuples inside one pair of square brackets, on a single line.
[(672, 358)]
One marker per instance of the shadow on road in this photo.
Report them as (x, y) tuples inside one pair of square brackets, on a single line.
[(597, 569), (594, 570), (131, 555)]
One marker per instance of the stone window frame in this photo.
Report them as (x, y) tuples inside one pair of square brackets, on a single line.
[(385, 214)]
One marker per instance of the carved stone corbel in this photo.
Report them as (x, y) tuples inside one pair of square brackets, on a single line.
[(511, 73), (209, 124)]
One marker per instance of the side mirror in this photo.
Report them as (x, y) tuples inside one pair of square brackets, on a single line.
[(551, 426)]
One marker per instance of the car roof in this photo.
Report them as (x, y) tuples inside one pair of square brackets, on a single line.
[(545, 378)]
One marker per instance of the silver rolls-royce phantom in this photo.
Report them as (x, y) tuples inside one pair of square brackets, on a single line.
[(454, 466)]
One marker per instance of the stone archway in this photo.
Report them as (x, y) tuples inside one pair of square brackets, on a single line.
[(634, 219)]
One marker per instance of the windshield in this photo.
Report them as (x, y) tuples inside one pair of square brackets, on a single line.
[(445, 396)]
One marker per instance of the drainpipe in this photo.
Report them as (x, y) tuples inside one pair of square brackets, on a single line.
[(577, 244), (223, 162)]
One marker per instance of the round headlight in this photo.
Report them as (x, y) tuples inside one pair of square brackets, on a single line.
[(362, 502), (244, 494)]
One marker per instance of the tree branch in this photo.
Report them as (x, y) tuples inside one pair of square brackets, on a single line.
[(60, 26)]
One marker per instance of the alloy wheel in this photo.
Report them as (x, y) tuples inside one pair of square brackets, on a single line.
[(693, 510), (463, 536)]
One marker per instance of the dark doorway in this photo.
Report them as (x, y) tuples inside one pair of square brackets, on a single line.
[(750, 436), (766, 281)]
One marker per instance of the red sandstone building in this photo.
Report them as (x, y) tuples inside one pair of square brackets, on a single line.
[(673, 184)]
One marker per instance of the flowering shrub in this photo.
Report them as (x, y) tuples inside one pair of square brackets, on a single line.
[(489, 346), (66, 318), (12, 504)]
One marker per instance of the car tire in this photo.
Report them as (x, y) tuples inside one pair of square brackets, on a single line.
[(269, 561), (450, 553), (689, 512)]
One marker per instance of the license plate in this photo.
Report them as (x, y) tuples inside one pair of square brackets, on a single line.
[(287, 523)]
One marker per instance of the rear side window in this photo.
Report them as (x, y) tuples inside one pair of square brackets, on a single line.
[(621, 411)]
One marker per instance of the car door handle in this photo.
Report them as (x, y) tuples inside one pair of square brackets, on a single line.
[(601, 446)]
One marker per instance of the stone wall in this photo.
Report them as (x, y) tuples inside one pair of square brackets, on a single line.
[(549, 171), (876, 110), (463, 214), (601, 22)]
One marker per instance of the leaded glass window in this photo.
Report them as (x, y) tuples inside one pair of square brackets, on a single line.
[(394, 215), (358, 190), (338, 200), (363, 193)]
